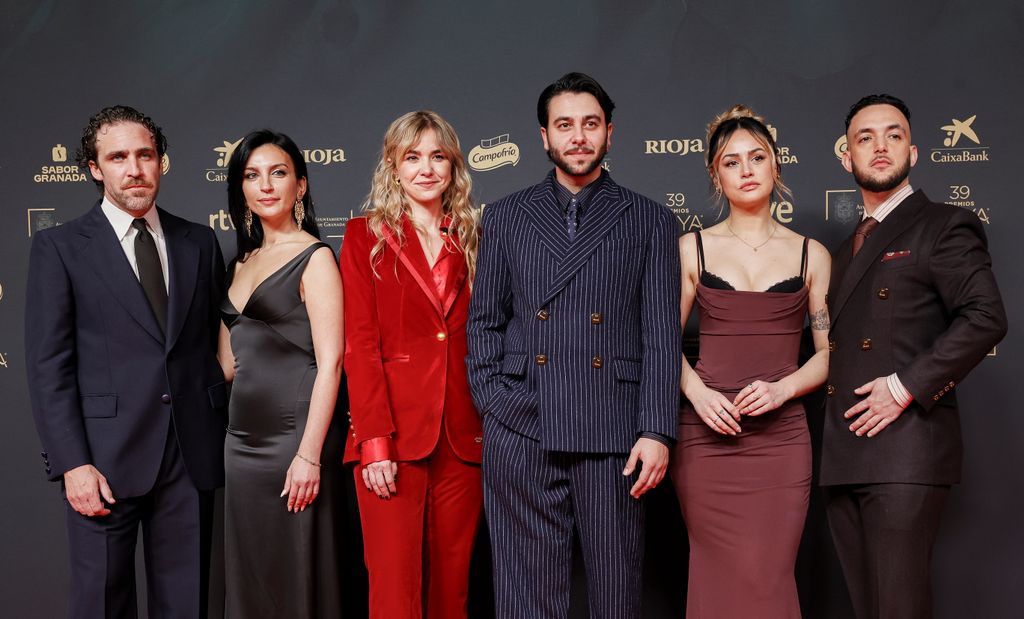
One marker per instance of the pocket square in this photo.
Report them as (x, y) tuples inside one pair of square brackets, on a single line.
[(894, 255)]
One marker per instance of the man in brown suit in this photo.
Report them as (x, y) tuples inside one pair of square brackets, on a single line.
[(914, 307)]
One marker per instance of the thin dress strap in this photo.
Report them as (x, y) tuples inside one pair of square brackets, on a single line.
[(803, 261), (700, 253)]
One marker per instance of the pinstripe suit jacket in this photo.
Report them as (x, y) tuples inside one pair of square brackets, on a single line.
[(577, 345)]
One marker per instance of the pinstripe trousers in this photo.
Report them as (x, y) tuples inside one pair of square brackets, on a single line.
[(533, 499)]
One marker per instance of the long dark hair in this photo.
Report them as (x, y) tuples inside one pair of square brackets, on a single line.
[(249, 241)]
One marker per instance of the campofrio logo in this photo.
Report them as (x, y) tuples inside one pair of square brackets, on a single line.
[(494, 153)]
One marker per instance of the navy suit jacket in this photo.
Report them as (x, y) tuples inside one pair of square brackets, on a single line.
[(577, 345), (919, 299), (104, 380)]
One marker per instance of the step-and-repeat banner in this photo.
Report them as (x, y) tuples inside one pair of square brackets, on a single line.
[(333, 74)]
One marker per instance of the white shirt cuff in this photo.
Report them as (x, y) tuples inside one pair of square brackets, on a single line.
[(898, 391)]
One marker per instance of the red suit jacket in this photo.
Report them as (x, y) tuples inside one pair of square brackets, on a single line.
[(405, 351)]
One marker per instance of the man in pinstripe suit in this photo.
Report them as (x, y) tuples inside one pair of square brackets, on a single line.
[(574, 363)]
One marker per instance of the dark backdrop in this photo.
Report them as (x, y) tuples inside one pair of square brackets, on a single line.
[(334, 74)]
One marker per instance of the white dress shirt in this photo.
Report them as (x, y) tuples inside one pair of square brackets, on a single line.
[(125, 233)]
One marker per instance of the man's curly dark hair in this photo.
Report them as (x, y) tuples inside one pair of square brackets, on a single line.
[(111, 116)]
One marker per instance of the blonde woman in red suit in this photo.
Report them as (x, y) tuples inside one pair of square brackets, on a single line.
[(415, 436)]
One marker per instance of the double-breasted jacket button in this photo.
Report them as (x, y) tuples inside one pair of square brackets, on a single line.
[(865, 344), (543, 314), (952, 384), (831, 345), (166, 399), (935, 397), (541, 359), (597, 363), (831, 390), (883, 293), (478, 439), (596, 318), (441, 336)]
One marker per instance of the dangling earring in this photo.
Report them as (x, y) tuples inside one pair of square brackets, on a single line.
[(299, 211), (248, 222)]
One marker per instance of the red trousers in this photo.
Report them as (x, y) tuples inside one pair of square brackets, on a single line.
[(418, 543)]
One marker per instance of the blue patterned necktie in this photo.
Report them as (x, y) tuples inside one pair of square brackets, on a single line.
[(571, 215)]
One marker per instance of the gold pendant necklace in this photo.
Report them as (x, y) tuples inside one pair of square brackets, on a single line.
[(759, 245)]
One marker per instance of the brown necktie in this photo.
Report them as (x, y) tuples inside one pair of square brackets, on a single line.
[(863, 231)]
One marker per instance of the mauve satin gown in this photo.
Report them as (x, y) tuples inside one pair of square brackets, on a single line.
[(744, 498)]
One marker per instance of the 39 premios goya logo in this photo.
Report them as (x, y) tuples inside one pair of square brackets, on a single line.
[(312, 156), (960, 143), (494, 153)]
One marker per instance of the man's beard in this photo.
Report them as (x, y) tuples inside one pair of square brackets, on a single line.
[(133, 203), (883, 183), (575, 170)]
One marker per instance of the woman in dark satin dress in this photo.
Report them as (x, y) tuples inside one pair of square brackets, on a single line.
[(742, 466), (282, 346)]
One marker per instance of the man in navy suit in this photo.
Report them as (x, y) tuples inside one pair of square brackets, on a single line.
[(128, 397), (574, 363)]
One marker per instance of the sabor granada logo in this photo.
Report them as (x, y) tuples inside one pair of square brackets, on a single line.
[(494, 153), (58, 170), (961, 143), (316, 156), (782, 153)]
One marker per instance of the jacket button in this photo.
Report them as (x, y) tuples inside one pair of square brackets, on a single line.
[(478, 439), (935, 397), (952, 384), (543, 314), (883, 293), (441, 336), (831, 345), (596, 318), (541, 359), (831, 390), (166, 399), (865, 344), (43, 454), (47, 469), (597, 363)]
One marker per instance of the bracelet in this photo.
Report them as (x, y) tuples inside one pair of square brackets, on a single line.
[(307, 460)]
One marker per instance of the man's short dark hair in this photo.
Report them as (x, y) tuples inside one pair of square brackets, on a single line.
[(575, 83), (111, 116), (882, 99)]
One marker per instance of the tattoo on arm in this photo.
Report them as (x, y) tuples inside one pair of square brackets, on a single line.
[(819, 320)]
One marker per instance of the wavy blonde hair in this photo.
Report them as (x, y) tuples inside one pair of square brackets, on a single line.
[(724, 126), (386, 203)]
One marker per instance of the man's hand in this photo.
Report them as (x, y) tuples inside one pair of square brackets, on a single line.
[(83, 486), (653, 457), (876, 411)]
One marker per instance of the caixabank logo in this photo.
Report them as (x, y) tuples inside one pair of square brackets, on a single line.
[(494, 153), (312, 156), (58, 169), (960, 143)]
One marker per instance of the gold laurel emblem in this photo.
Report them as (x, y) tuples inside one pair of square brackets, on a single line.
[(165, 164)]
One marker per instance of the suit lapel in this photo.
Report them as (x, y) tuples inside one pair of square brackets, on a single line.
[(856, 268), (182, 269), (545, 216), (102, 250), (412, 258), (605, 208)]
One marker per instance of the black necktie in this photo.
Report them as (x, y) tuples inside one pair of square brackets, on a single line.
[(151, 274), (571, 216), (863, 231)]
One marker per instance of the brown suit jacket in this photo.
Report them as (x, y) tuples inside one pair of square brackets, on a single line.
[(920, 300)]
